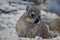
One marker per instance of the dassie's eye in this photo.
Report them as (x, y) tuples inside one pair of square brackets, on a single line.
[(32, 15)]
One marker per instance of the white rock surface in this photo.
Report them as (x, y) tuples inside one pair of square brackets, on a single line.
[(7, 8), (9, 20), (8, 34)]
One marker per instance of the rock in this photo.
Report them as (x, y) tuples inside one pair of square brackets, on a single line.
[(3, 2), (38, 38), (20, 7), (8, 34), (2, 28), (7, 20), (15, 1), (10, 20), (54, 6), (20, 2), (7, 9), (49, 17)]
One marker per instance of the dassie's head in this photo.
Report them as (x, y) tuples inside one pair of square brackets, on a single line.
[(33, 14)]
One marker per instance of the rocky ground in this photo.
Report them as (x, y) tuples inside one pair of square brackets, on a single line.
[(9, 15)]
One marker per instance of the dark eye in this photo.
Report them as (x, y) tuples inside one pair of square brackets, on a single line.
[(32, 15)]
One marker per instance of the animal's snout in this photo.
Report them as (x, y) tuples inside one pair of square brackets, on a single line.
[(37, 19)]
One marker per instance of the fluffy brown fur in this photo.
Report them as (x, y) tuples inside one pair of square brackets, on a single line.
[(26, 27)]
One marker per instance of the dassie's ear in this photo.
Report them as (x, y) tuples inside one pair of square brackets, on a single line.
[(27, 8)]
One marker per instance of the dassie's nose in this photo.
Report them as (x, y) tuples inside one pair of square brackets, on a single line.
[(37, 19)]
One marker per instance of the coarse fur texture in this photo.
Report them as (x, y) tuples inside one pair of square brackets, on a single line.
[(28, 25)]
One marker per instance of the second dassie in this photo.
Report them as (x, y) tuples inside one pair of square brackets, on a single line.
[(30, 24)]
